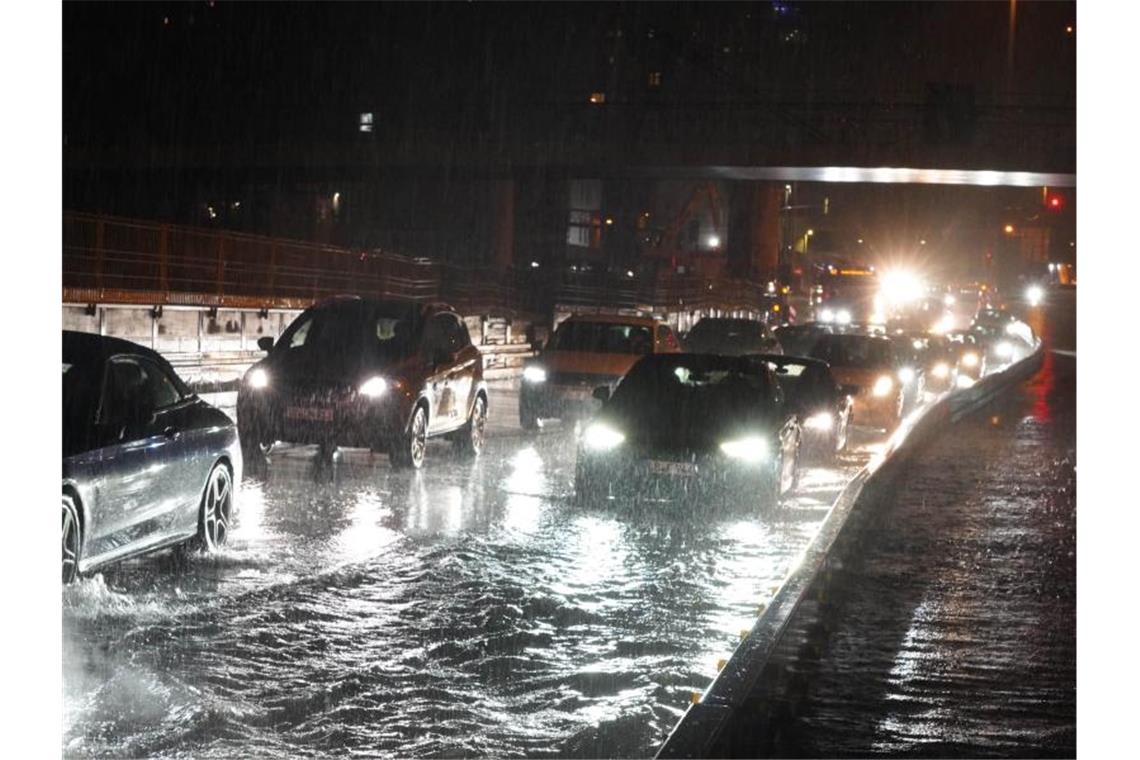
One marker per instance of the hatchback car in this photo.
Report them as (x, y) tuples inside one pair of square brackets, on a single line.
[(586, 351), (380, 374), (146, 463), (688, 427), (731, 337)]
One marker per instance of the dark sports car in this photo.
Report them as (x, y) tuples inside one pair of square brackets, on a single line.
[(690, 427), (146, 463)]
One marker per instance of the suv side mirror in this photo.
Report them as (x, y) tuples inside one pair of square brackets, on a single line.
[(265, 343), (602, 393)]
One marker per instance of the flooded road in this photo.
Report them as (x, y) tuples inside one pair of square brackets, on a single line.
[(467, 609)]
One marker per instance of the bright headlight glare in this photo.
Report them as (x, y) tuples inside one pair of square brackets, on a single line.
[(1004, 349), (534, 375), (827, 315), (964, 381), (1034, 294), (941, 370), (821, 421), (883, 386), (843, 317), (970, 359), (751, 449), (600, 437), (374, 387), (906, 374), (948, 300), (258, 378)]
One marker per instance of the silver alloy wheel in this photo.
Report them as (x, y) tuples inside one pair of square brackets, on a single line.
[(70, 542), (217, 507), (417, 444), (478, 425)]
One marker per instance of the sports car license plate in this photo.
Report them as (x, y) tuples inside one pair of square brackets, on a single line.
[(674, 469), (309, 413)]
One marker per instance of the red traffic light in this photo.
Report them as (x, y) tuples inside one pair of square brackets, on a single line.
[(1054, 202)]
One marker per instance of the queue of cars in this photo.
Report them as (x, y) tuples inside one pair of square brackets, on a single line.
[(148, 465)]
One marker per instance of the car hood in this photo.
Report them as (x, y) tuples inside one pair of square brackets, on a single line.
[(674, 428), (587, 362)]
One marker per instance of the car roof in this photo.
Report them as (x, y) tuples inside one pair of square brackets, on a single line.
[(614, 319), (81, 345)]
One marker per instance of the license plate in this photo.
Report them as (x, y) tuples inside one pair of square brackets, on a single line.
[(309, 413), (673, 469)]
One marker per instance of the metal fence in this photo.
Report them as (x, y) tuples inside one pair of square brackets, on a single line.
[(123, 261)]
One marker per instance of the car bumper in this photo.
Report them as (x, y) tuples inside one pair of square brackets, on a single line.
[(553, 400), (356, 422), (642, 479)]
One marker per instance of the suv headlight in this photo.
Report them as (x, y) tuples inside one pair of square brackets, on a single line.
[(534, 374), (374, 387), (752, 449), (883, 386), (601, 437), (970, 359), (941, 370), (906, 374), (257, 378)]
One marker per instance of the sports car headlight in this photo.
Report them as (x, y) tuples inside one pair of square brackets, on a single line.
[(257, 378), (970, 359), (534, 374), (940, 370), (601, 437), (883, 386), (374, 387), (752, 449), (821, 421)]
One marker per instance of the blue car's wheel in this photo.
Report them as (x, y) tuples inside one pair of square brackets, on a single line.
[(72, 535)]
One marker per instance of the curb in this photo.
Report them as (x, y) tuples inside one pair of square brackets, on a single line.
[(699, 729)]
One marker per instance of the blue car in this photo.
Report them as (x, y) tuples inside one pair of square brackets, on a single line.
[(146, 463)]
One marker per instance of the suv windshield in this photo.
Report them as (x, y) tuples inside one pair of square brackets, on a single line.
[(386, 330), (602, 338)]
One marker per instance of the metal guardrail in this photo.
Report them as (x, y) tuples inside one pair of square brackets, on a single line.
[(699, 729), (124, 261)]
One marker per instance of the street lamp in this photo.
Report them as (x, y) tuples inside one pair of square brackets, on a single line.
[(1009, 229)]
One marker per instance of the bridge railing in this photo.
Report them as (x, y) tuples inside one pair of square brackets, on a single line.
[(114, 260)]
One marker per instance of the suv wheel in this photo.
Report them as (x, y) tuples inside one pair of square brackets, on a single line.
[(408, 450), (472, 435)]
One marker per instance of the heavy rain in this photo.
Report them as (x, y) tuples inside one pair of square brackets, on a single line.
[(568, 380)]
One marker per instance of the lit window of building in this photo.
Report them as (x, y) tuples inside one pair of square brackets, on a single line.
[(366, 121), (655, 79), (597, 98)]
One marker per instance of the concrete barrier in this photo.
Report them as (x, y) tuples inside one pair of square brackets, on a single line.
[(699, 729)]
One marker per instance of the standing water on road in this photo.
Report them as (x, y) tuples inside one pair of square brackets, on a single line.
[(467, 609)]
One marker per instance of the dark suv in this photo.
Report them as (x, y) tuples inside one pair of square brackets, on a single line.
[(350, 371)]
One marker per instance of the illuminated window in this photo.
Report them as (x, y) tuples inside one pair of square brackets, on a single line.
[(597, 98), (655, 79), (366, 121)]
